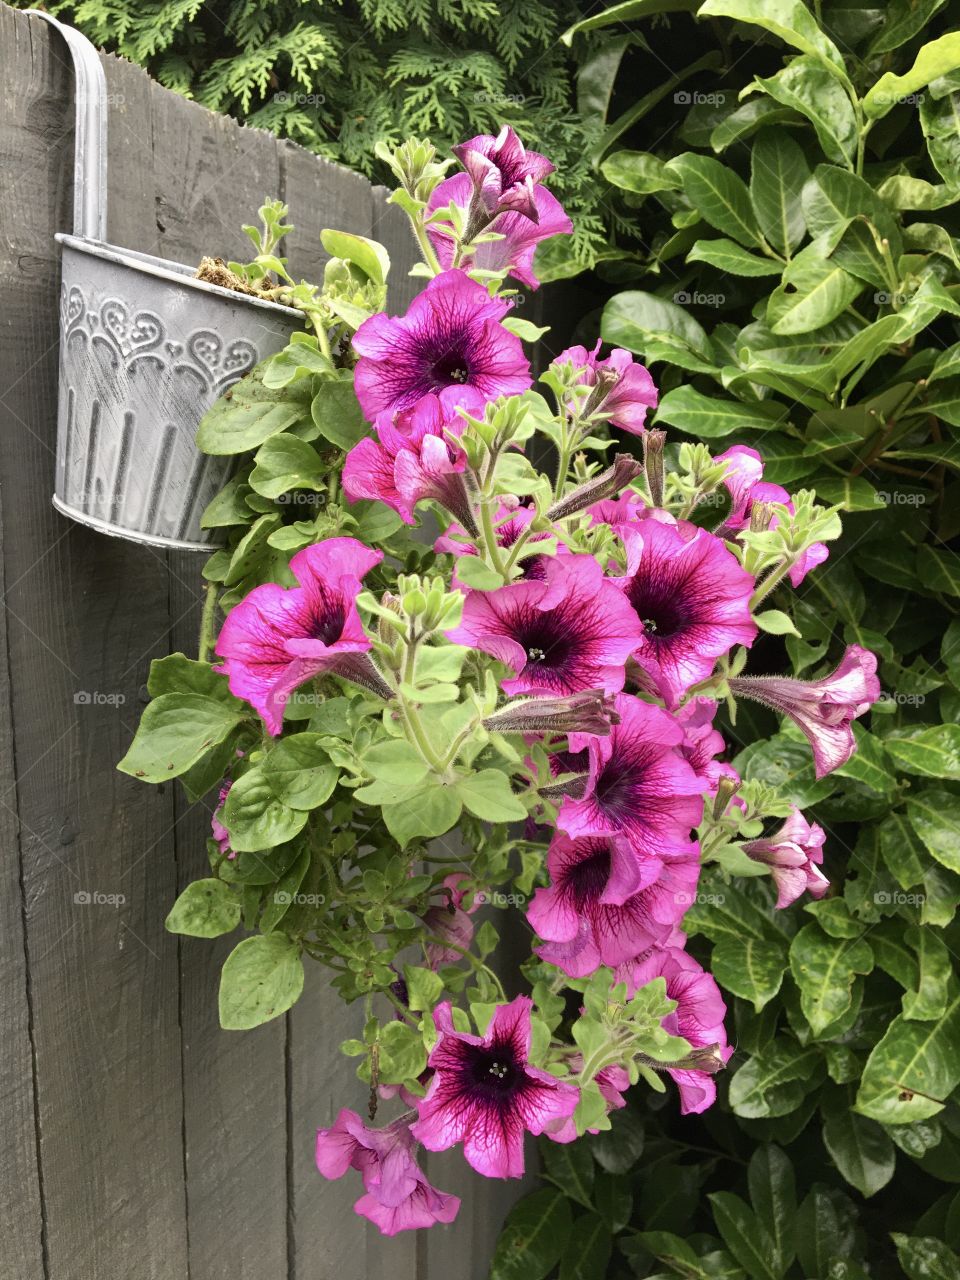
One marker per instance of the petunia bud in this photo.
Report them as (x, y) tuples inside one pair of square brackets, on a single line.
[(591, 711), (653, 442), (726, 790), (608, 484)]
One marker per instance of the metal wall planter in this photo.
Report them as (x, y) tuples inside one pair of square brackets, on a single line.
[(145, 350)]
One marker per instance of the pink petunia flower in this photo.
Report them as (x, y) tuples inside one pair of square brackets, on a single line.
[(449, 923), (698, 1017), (632, 391), (746, 488), (485, 1094), (570, 631), (541, 217), (399, 1197), (823, 709), (793, 854), (414, 457), (451, 336), (612, 1081), (217, 829), (277, 637), (640, 787), (604, 905), (503, 171), (511, 521), (693, 599)]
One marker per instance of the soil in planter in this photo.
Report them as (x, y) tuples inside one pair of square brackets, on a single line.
[(216, 271)]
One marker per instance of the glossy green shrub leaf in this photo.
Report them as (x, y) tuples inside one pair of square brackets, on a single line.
[(534, 1237)]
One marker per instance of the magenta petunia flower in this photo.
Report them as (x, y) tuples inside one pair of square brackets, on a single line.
[(449, 923), (485, 1094), (625, 510), (698, 1017), (503, 172), (793, 854), (276, 637), (570, 631), (605, 905), (631, 389), (744, 483), (217, 829), (612, 1081), (399, 1198), (693, 599), (640, 787), (414, 457), (702, 743), (823, 709), (451, 336), (541, 217)]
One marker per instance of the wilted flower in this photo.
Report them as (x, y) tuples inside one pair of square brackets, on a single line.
[(698, 1017), (604, 905), (793, 855), (824, 709), (451, 336), (449, 923), (627, 395), (485, 1094), (601, 488), (399, 1198), (217, 829), (702, 743), (592, 711), (570, 631), (277, 637), (693, 599), (640, 785)]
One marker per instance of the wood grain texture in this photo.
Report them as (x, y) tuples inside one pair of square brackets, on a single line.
[(392, 228)]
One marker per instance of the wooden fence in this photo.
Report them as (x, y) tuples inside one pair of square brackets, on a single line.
[(139, 1141)]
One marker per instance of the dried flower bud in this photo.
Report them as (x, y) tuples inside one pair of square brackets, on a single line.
[(608, 484), (653, 442), (591, 711)]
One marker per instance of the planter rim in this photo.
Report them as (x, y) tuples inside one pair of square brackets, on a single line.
[(165, 269), (128, 535)]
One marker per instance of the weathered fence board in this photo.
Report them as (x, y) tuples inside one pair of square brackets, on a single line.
[(140, 1140)]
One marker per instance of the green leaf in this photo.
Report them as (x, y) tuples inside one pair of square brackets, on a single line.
[(904, 20), (824, 969), (776, 623), (299, 771), (534, 1237), (935, 817), (869, 763), (618, 1148), (731, 258), (939, 570), (790, 20), (285, 462), (488, 795), (262, 977), (424, 987), (587, 1250), (778, 171), (926, 1258), (177, 673), (719, 195), (395, 761), (628, 11), (337, 415), (750, 968), (175, 730), (205, 909), (913, 1067), (860, 1148), (807, 86), (250, 413), (646, 324), (570, 1165), (710, 418), (750, 116), (940, 121), (639, 172), (902, 850), (370, 256), (748, 1241), (814, 292), (819, 1234), (933, 752), (256, 818), (429, 810), (774, 1083), (903, 192), (931, 996), (932, 60), (285, 892), (773, 1195)]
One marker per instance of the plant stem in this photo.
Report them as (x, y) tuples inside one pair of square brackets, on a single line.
[(426, 248), (490, 538), (475, 961), (208, 620)]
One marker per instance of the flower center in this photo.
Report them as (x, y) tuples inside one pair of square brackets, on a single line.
[(450, 368), (328, 620), (494, 1072), (544, 639), (662, 613), (536, 655), (587, 879)]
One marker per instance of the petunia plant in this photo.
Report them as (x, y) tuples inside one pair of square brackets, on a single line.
[(438, 683)]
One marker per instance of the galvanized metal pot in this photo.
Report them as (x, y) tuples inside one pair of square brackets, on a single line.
[(145, 350)]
